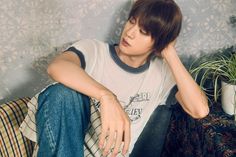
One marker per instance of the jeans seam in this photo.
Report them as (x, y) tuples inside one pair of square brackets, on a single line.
[(49, 132)]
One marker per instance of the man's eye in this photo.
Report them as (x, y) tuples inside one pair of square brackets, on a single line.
[(144, 32)]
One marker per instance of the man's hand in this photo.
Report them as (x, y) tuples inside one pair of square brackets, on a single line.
[(169, 50), (115, 126)]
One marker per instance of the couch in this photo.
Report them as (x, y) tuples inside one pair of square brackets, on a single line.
[(12, 142), (214, 135)]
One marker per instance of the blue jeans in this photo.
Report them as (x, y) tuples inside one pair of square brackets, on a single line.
[(62, 121)]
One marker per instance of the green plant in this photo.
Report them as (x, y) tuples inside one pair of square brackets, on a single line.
[(220, 65)]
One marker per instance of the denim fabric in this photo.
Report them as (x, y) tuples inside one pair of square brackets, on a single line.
[(62, 120), (151, 140)]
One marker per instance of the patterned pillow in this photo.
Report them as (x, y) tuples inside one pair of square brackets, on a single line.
[(12, 142)]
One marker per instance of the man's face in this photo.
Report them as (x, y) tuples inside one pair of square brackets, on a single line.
[(135, 41)]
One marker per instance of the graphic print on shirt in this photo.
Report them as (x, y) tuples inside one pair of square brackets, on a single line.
[(134, 108)]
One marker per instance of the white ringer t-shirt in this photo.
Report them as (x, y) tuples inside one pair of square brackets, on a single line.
[(148, 86)]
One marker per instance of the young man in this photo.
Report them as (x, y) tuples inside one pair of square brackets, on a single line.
[(125, 84)]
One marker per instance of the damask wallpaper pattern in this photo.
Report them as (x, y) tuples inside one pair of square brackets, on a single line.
[(34, 31)]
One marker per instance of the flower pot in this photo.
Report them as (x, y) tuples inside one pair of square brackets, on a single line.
[(228, 98)]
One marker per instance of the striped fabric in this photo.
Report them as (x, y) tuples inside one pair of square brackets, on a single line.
[(91, 138), (12, 142), (28, 126)]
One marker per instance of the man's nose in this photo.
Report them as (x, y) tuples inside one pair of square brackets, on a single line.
[(132, 31)]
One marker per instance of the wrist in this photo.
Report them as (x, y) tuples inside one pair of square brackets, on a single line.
[(106, 94)]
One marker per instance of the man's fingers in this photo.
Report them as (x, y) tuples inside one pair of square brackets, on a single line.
[(118, 142), (109, 142), (116, 120), (126, 139), (102, 137)]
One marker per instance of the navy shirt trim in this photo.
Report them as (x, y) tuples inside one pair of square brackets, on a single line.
[(124, 66), (79, 54)]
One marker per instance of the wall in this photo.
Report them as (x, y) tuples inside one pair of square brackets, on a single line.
[(33, 32)]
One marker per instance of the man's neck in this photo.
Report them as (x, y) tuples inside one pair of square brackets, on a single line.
[(134, 61)]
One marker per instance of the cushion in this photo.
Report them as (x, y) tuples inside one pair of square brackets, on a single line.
[(12, 142), (212, 136)]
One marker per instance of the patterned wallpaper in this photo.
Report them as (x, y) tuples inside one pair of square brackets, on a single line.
[(34, 31)]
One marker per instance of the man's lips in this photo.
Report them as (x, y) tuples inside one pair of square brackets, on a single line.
[(125, 43)]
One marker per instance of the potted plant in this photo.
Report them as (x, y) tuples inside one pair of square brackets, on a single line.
[(220, 68)]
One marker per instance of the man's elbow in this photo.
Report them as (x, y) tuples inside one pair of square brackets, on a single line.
[(202, 113), (51, 69)]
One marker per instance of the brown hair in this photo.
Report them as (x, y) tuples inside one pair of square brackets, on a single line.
[(161, 18)]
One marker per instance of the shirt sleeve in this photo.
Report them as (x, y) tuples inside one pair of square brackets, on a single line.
[(87, 52), (79, 54), (168, 84)]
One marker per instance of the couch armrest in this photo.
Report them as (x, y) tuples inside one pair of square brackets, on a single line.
[(12, 142)]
